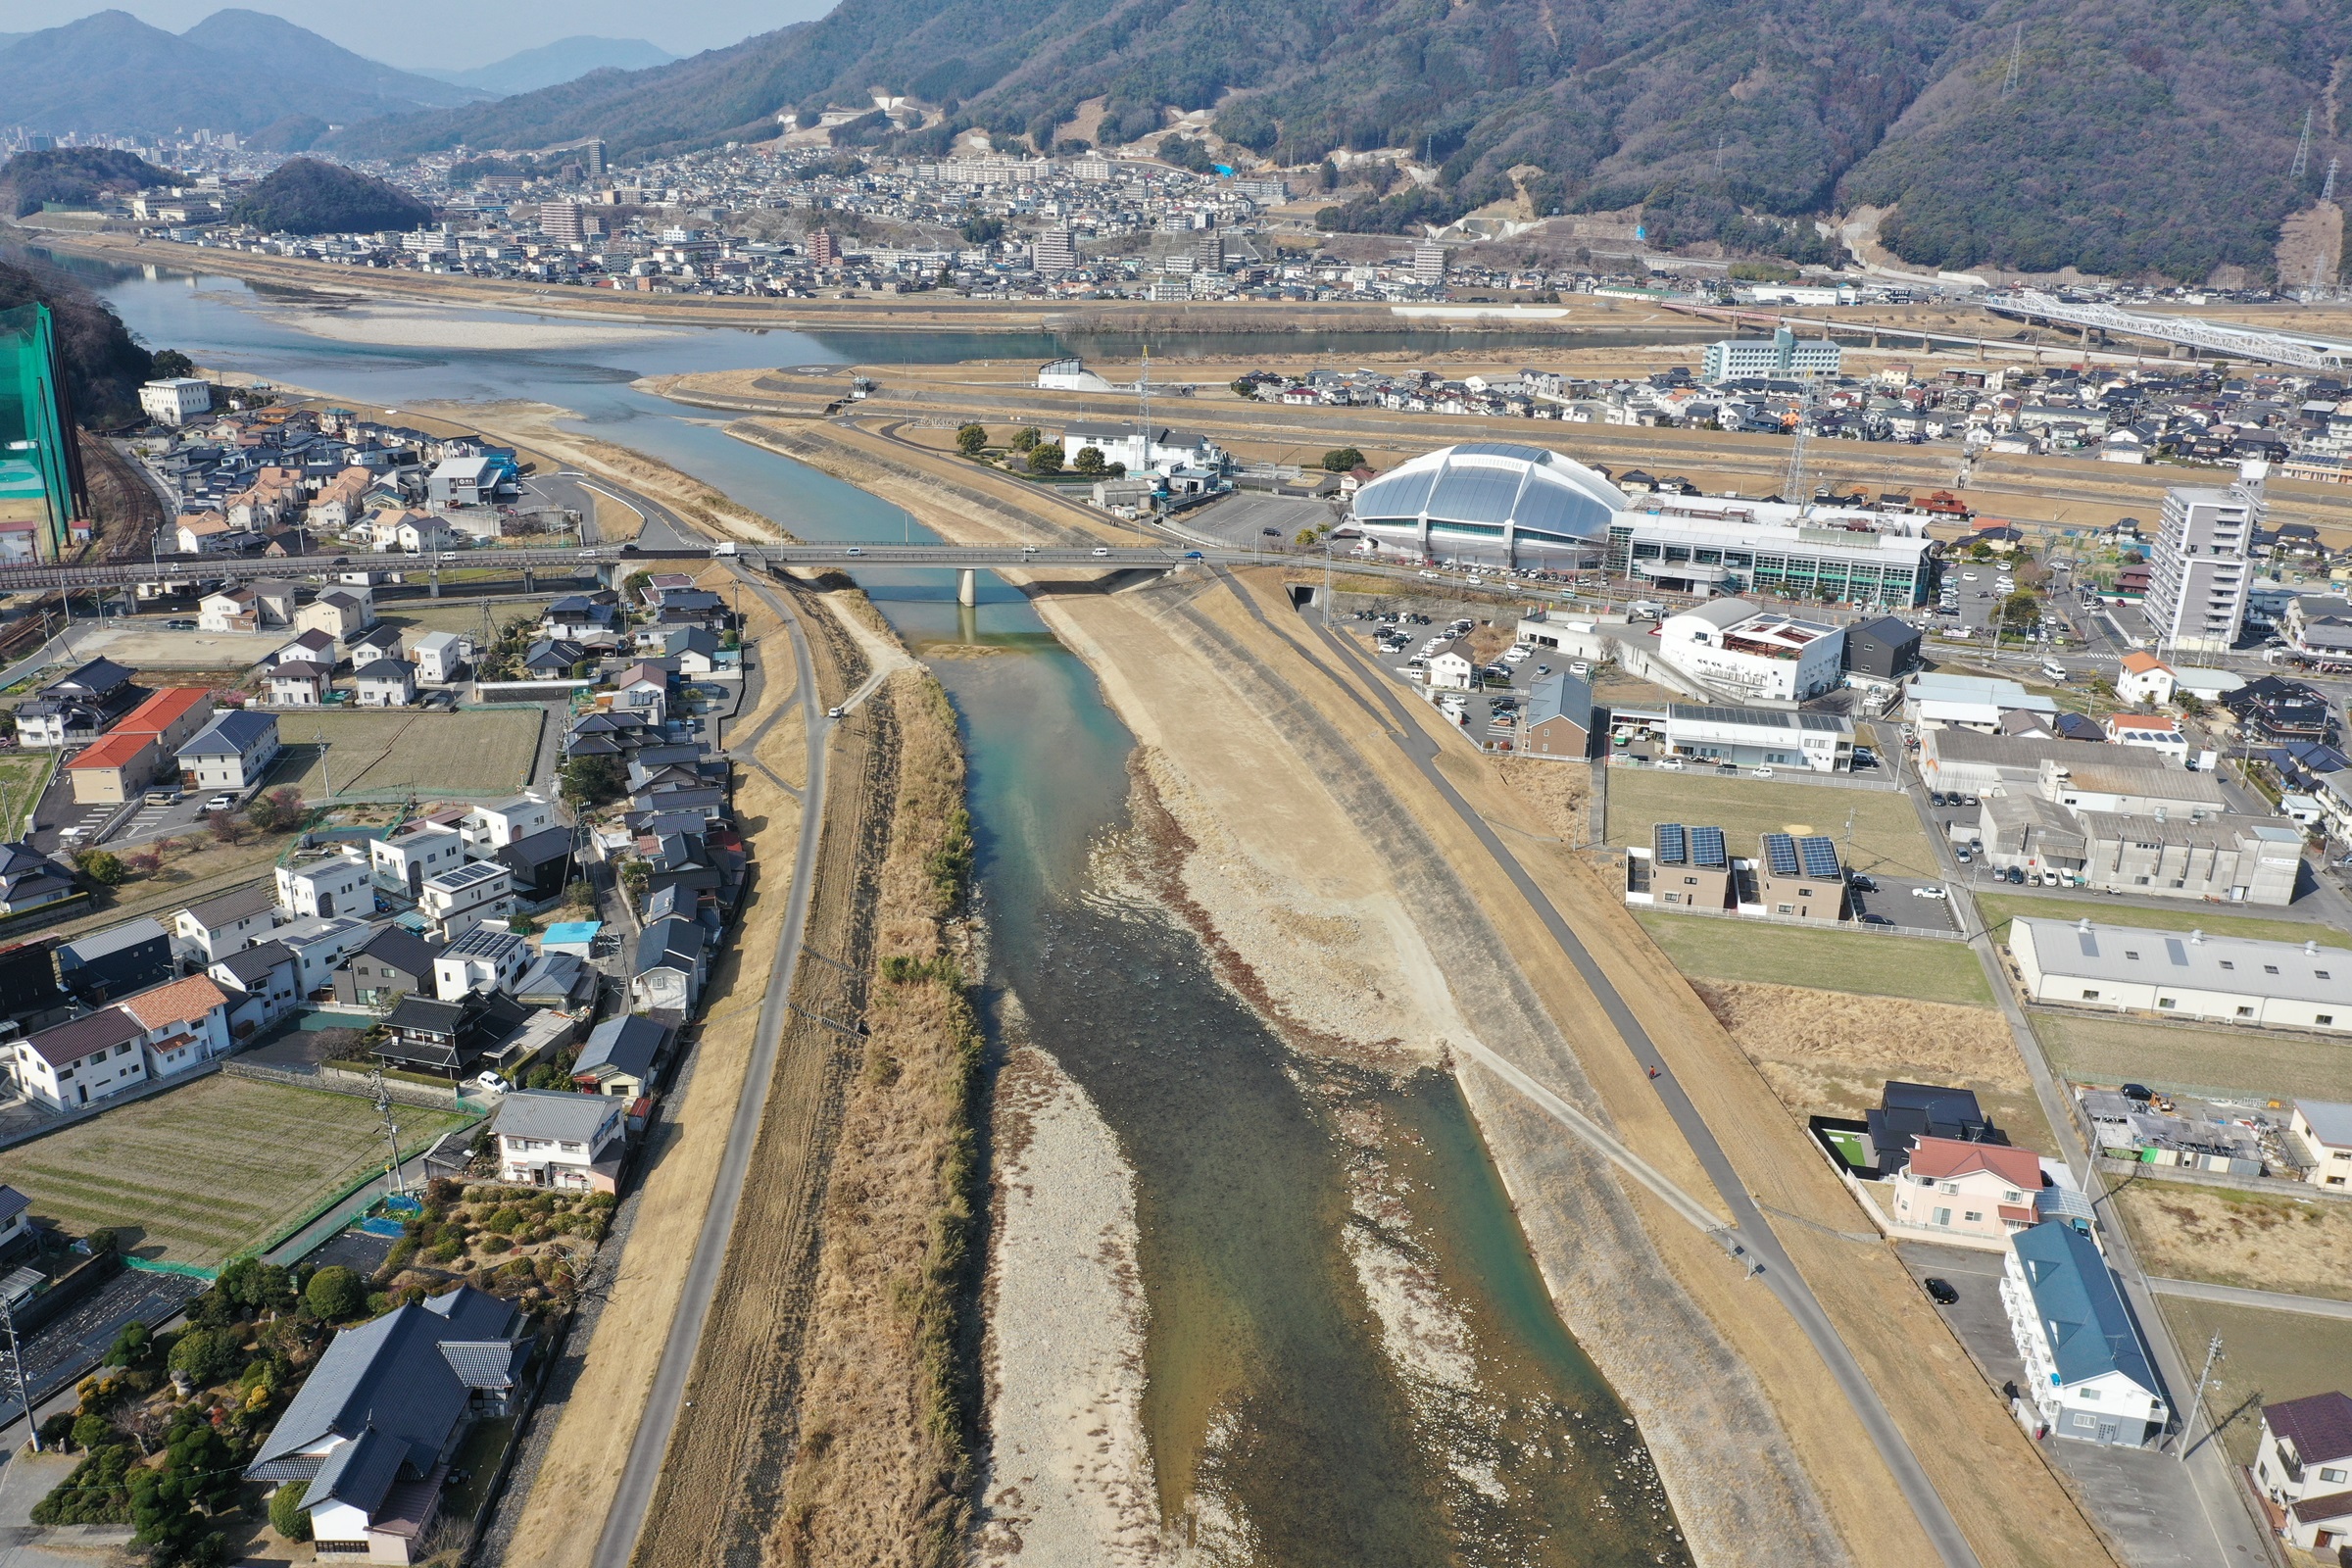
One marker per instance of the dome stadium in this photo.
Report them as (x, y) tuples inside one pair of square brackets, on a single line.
[(1494, 502)]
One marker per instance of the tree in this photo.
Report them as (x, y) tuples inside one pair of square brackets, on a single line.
[(2019, 612), (227, 827), (1026, 438), (90, 1431), (102, 867), (1341, 460), (172, 365), (170, 1507), (588, 782), (1243, 387), (1045, 460), (1088, 459), (336, 1292), (254, 1285), (972, 440), (278, 812), (287, 1516), (207, 1356), (1328, 176)]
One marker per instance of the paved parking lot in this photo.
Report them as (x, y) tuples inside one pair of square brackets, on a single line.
[(2137, 1495), (1890, 898)]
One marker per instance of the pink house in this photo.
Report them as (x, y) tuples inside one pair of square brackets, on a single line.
[(1967, 1190)]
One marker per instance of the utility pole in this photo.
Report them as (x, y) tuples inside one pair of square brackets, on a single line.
[(2302, 152), (383, 1110), (15, 1370), (2196, 1403)]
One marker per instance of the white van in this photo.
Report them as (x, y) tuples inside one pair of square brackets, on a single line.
[(2054, 669)]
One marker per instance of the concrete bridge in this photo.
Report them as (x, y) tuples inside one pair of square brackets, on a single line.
[(612, 563)]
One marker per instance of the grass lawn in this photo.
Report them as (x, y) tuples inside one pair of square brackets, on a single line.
[(1887, 833), (1852, 1145), (2002, 908), (379, 752), (2265, 1356), (463, 615), (201, 1172), (22, 775), (1825, 960), (2265, 1063)]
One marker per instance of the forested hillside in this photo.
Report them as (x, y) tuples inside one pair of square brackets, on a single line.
[(104, 363), (305, 196), (2139, 135), (73, 175)]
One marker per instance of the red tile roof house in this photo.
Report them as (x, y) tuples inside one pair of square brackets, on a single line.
[(1969, 1195), (158, 1033), (186, 1023), (2303, 1466)]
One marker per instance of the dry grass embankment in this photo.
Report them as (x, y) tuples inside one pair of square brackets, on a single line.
[(2256, 1241), (883, 1470), (1830, 1053)]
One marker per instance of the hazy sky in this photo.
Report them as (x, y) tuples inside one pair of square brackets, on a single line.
[(459, 33)]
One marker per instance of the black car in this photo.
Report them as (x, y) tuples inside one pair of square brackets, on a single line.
[(2017, 878), (1934, 797), (1860, 883), (1940, 1292)]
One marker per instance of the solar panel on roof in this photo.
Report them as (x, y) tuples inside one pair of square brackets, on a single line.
[(1668, 838), (1820, 856), (1706, 847), (1780, 853)]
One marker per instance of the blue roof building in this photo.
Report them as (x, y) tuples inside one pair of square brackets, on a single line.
[(2087, 1370)]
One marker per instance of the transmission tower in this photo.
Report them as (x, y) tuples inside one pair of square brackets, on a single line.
[(2017, 59), (1792, 488), (2328, 185), (1719, 155), (2302, 152)]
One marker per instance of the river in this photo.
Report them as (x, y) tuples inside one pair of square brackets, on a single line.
[(1269, 1390)]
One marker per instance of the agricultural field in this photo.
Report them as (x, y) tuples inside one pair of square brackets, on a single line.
[(2002, 908), (379, 752), (420, 615), (1886, 836), (2255, 1241), (1824, 961), (197, 1173), (2265, 1356), (2092, 1049), (22, 775)]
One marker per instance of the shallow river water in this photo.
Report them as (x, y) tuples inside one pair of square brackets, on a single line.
[(1270, 1392)]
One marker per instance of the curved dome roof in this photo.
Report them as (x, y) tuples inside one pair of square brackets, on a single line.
[(1491, 484)]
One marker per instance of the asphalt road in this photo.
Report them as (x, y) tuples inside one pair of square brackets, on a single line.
[(1763, 1249), (665, 1402)]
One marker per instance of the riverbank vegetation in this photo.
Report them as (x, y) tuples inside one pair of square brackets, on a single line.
[(882, 1472)]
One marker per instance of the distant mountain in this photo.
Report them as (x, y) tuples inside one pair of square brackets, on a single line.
[(75, 176), (551, 65), (2141, 136), (110, 73), (304, 196)]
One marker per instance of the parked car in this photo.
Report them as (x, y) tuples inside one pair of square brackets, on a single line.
[(1940, 1292), (1930, 891), (1962, 856), (1759, 772), (2017, 876), (170, 795), (1874, 919), (492, 1082), (220, 802), (180, 626)]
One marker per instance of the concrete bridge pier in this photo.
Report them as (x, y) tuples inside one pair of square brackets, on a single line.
[(433, 580), (530, 584), (967, 587)]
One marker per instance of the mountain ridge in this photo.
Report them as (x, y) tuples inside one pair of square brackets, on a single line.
[(551, 65)]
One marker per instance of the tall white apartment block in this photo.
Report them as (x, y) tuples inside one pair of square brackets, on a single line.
[(2202, 565), (1429, 263), (1054, 253)]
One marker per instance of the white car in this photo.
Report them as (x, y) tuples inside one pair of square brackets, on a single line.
[(492, 1082), (1759, 772), (1931, 893), (220, 802), (1101, 550)]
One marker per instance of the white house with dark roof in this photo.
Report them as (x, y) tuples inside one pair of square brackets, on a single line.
[(234, 752), (2303, 1468), (371, 1435), (553, 1138), (220, 926), (386, 683), (2086, 1372), (83, 1060)]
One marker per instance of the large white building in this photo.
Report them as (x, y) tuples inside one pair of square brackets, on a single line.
[(1732, 646), (2202, 565), (1778, 356), (1489, 503), (2193, 974), (1761, 737), (1702, 545), (1161, 450), (176, 401)]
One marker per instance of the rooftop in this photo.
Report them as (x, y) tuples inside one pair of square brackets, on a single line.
[(555, 1113), (2193, 960), (2319, 1425), (2083, 1317)]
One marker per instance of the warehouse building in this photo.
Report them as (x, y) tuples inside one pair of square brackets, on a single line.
[(2283, 985), (1761, 737)]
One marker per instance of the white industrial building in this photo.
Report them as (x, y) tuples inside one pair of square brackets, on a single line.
[(1932, 700), (1698, 545), (1761, 737), (2202, 565), (1733, 646), (2193, 974), (1777, 357), (176, 401)]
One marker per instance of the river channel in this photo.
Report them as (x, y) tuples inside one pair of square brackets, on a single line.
[(1270, 1392)]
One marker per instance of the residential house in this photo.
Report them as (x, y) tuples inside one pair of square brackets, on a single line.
[(484, 959), (341, 612), (402, 862), (100, 965), (694, 650), (387, 683), (233, 753), (491, 828), (274, 602), (673, 960), (560, 982), (185, 1023), (448, 1038), (378, 642), (1967, 1193), (2325, 1128), (220, 926), (2273, 711), (331, 884), (113, 771), (2086, 1371), (1558, 720), (441, 657), (297, 685), (1453, 669), (2160, 733), (552, 1138), (456, 902), (539, 864), (320, 946), (2144, 678), (83, 1060), (373, 1431), (230, 609), (581, 617), (76, 708), (1906, 1113), (16, 1220), (29, 879), (620, 1057), (264, 983), (204, 533), (390, 965), (553, 658), (313, 647), (2303, 1466)]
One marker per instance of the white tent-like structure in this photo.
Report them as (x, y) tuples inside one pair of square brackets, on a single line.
[(1492, 503)]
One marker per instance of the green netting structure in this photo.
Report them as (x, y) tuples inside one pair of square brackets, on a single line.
[(40, 467)]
